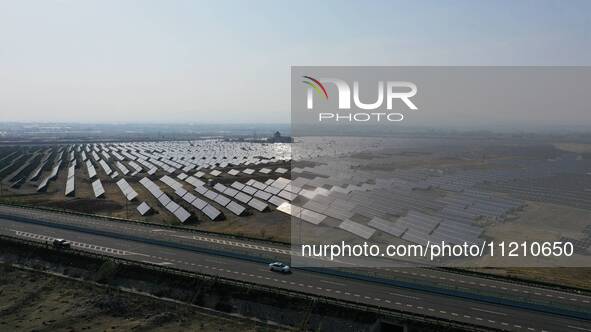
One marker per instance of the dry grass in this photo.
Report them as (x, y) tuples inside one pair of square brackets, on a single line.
[(31, 301)]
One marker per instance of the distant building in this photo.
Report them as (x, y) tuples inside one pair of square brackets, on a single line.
[(277, 138)]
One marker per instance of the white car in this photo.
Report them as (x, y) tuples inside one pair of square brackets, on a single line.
[(61, 244), (279, 267)]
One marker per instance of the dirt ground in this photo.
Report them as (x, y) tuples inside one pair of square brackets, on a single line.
[(31, 301)]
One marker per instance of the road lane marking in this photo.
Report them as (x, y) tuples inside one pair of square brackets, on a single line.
[(489, 311), (579, 328), (331, 282), (406, 296), (160, 263)]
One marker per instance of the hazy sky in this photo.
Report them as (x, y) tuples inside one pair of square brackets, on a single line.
[(229, 61)]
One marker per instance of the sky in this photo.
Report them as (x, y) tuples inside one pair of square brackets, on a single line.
[(229, 61)]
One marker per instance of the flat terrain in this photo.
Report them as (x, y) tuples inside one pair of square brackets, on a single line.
[(32, 301)]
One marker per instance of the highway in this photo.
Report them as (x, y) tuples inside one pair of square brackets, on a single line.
[(147, 243)]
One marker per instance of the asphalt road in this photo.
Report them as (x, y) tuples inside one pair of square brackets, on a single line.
[(402, 299)]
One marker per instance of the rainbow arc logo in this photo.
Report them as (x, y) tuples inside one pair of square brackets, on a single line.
[(316, 85)]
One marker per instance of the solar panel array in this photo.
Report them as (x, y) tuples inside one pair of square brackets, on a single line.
[(98, 189), (127, 190)]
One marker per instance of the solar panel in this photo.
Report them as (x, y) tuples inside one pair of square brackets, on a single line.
[(312, 217), (189, 198), (357, 229), (281, 170), (233, 172), (259, 185), (287, 195), (248, 171), (215, 172), (220, 187), (164, 199), (222, 200), (237, 185), (257, 204), (230, 192), (387, 226), (211, 212), (244, 198), (105, 167), (181, 214), (273, 190), (70, 186), (236, 208), (91, 169), (143, 208), (262, 195), (276, 200), (180, 192), (200, 189), (98, 189), (211, 194), (172, 206), (249, 190), (199, 203), (265, 170)]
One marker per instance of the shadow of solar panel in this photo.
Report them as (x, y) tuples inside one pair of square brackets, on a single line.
[(357, 229)]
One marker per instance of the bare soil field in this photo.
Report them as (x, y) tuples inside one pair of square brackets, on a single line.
[(32, 301)]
